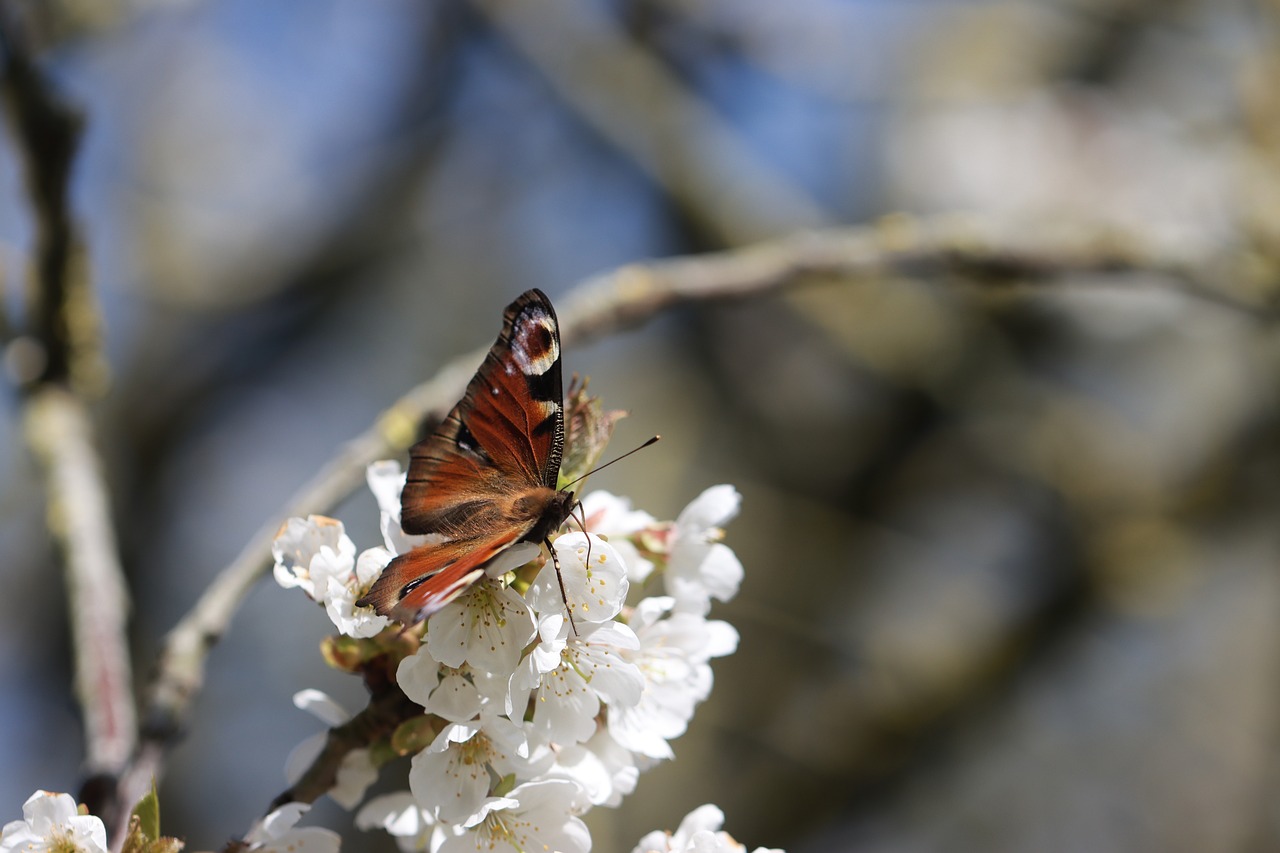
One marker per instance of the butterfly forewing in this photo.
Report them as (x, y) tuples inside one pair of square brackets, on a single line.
[(506, 433), (485, 479)]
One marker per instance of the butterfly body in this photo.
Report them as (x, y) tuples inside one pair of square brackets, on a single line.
[(485, 480)]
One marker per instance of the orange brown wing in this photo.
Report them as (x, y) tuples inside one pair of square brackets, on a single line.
[(417, 584), (505, 435), (485, 479)]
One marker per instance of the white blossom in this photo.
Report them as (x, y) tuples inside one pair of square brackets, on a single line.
[(592, 670), (316, 555), (700, 567), (673, 656), (535, 816), (51, 824), (278, 833), (546, 656), (699, 832), (446, 692), (450, 778), (399, 815), (386, 481), (611, 516), (605, 769), (309, 551), (487, 626), (595, 592), (342, 592)]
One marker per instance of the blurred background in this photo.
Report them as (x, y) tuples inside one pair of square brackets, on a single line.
[(1011, 554)]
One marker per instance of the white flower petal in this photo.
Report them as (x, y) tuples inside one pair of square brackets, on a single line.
[(303, 547), (52, 824), (277, 833), (606, 771), (398, 814), (320, 705), (611, 515), (715, 507), (455, 699), (303, 756), (535, 816), (386, 481), (447, 779), (487, 626), (512, 558), (596, 592), (355, 774), (418, 675)]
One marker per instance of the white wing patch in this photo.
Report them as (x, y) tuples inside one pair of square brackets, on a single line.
[(534, 346)]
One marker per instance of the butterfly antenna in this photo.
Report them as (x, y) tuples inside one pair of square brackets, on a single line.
[(653, 440)]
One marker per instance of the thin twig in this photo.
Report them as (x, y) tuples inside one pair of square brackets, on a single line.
[(988, 256), (56, 359)]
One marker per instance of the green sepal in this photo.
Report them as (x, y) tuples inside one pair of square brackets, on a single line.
[(505, 785), (349, 654), (144, 828), (414, 735), (147, 811)]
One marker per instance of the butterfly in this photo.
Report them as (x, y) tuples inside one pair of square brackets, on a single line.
[(485, 480)]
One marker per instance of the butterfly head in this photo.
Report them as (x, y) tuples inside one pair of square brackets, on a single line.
[(547, 509)]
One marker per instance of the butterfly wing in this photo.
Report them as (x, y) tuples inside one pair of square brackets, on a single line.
[(417, 584), (507, 432), (485, 478)]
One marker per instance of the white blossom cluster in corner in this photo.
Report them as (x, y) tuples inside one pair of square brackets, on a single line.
[(699, 832), (51, 823), (535, 723)]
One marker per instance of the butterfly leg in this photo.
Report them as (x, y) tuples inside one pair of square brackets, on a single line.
[(555, 561)]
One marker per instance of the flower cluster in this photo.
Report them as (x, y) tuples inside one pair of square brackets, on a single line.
[(530, 713)]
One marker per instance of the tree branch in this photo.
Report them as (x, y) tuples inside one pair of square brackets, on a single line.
[(55, 359), (987, 255), (387, 709)]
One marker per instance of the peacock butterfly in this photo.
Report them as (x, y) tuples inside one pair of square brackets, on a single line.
[(486, 478)]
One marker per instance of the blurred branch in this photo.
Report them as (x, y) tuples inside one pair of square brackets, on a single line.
[(987, 255), (53, 361), (639, 105), (60, 430), (46, 131)]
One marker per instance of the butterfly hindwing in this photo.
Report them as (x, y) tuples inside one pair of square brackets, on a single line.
[(486, 478), (418, 583)]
